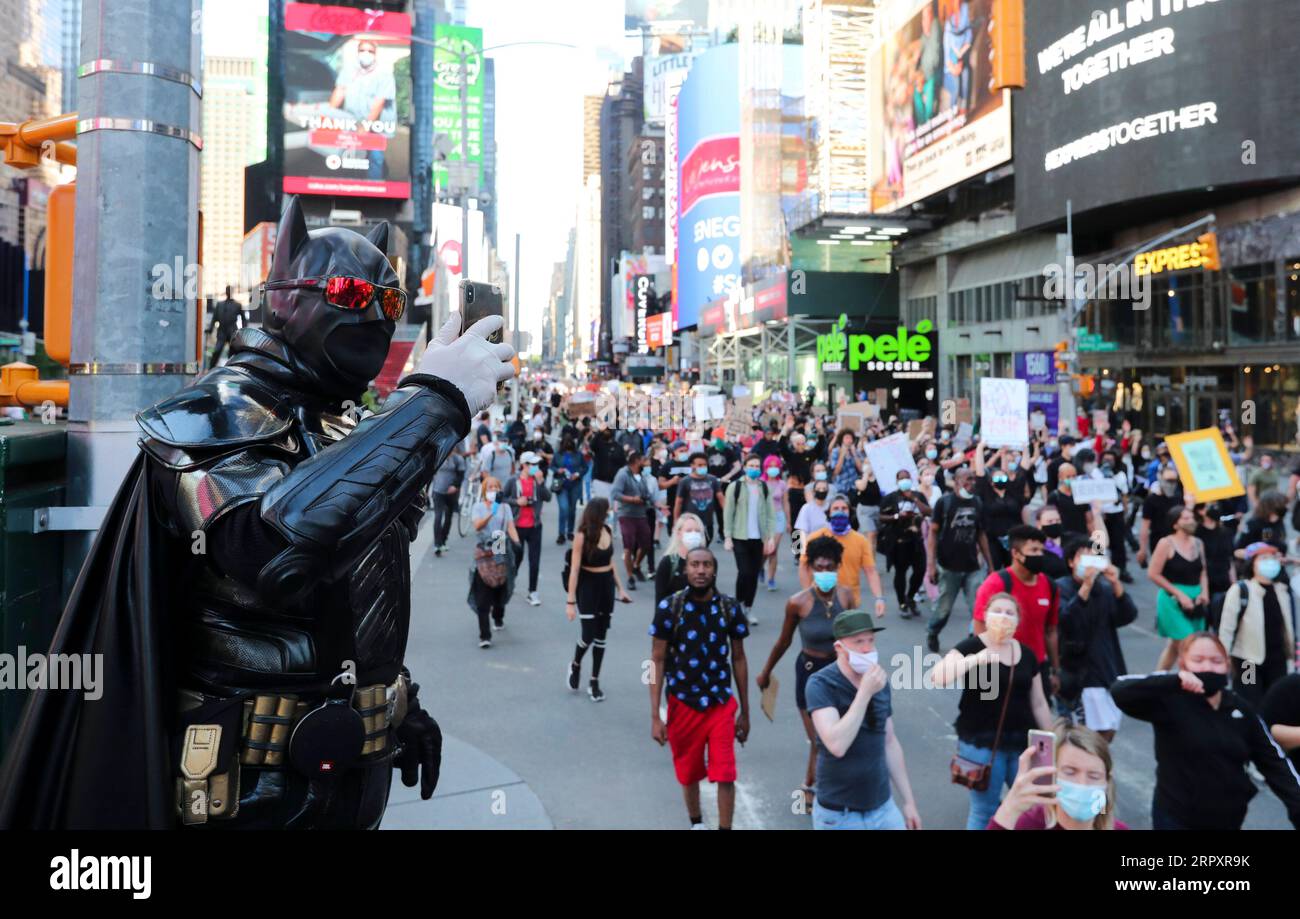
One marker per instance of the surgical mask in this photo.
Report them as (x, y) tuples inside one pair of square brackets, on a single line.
[(904, 484), (491, 497), (1269, 568), (839, 524), (1089, 468), (1053, 445), (692, 539), (812, 442), (1081, 802), (861, 663), (682, 456), (964, 494), (754, 473), (366, 59), (826, 581), (698, 471), (1168, 488), (1000, 626), (773, 472), (1214, 683), (820, 475), (931, 454), (1146, 454), (1081, 571)]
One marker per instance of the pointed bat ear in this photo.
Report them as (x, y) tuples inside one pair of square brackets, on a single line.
[(291, 234), (379, 236)]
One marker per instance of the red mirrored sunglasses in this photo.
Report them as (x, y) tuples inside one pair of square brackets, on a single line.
[(349, 293)]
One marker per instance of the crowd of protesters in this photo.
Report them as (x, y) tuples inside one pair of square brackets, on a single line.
[(1044, 577)]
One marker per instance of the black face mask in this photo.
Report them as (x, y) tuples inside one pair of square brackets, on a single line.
[(1214, 683), (1052, 531), (1034, 563)]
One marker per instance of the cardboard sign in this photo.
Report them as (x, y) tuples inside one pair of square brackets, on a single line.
[(851, 421), (915, 428), (965, 434), (1004, 412), (889, 455), (740, 420), (708, 408), (1100, 421), (1203, 464), (1086, 491), (964, 412)]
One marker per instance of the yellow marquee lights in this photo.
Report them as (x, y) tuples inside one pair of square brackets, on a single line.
[(1204, 253)]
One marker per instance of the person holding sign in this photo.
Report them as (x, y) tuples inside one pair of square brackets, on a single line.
[(1178, 569), (901, 514), (955, 545), (1075, 518)]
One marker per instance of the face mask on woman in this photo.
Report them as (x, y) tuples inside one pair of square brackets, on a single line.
[(1081, 802), (692, 539), (826, 581), (1000, 626), (820, 475), (773, 472), (491, 497), (1268, 568), (1214, 683), (1052, 531), (932, 454)]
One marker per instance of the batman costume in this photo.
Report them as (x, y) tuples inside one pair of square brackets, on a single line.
[(250, 586)]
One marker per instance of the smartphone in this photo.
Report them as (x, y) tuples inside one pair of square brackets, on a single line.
[(478, 301), (1044, 745), (1100, 562)]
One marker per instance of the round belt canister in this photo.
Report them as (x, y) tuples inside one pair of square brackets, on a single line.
[(328, 739)]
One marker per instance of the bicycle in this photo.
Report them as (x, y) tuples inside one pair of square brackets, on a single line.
[(469, 496)]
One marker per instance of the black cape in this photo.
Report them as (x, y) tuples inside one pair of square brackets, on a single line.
[(105, 764)]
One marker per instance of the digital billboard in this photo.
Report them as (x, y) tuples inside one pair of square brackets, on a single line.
[(449, 43), (342, 136), (708, 184), (939, 121), (1127, 101), (640, 13)]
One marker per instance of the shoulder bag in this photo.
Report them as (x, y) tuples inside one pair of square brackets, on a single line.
[(971, 774)]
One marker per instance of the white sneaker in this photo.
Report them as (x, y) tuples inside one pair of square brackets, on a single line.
[(484, 643), (533, 599), (498, 626), (699, 826)]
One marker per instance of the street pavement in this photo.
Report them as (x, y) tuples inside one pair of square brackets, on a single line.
[(524, 752)]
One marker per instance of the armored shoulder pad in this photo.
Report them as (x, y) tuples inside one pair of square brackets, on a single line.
[(223, 409)]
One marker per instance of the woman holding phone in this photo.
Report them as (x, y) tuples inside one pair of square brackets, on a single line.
[(991, 726), (493, 522), (593, 578), (1077, 793)]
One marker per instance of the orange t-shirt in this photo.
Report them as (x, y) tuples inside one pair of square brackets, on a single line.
[(857, 555)]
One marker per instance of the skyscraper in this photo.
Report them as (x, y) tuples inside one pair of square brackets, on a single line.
[(230, 114)]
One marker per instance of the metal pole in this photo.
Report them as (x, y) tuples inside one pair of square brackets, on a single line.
[(425, 24), (135, 275), (514, 408), (464, 165)]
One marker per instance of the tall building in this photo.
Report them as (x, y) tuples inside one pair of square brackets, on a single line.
[(587, 268), (643, 201), (591, 135), (622, 118), (229, 115), (70, 43)]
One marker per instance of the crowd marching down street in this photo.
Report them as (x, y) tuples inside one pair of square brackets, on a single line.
[(1019, 555)]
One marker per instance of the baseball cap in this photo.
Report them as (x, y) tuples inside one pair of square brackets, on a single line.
[(1256, 548), (854, 622), (531, 458)]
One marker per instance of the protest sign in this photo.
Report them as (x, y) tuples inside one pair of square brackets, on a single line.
[(914, 428), (1086, 491), (740, 420), (889, 455), (965, 434), (1203, 464), (1100, 421), (708, 408), (1004, 412), (964, 413)]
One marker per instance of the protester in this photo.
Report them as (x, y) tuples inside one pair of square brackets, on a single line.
[(1004, 490), (1205, 734), (1002, 698), (1048, 520), (1219, 557), (570, 469), (1266, 524), (607, 458), (1256, 625), (526, 494), (593, 579), (858, 562), (704, 717), (956, 542), (633, 502), (700, 494), (859, 755), (1281, 712), (902, 514), (1178, 569), (671, 467), (779, 493), (812, 516), (1156, 510), (845, 463), (812, 612), (749, 530), (798, 458), (492, 579), (1115, 513), (670, 575), (1094, 606), (1036, 594), (1075, 518), (497, 459), (1081, 790), (445, 488)]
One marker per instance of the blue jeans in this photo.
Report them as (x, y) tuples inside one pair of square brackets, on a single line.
[(950, 582), (885, 817), (566, 499), (984, 804), (586, 486)]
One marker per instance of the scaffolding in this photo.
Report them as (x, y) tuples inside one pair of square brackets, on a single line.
[(731, 353)]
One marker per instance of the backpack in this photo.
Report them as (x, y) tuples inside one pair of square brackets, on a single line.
[(1054, 591)]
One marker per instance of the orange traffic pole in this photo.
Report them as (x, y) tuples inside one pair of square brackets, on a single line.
[(24, 144)]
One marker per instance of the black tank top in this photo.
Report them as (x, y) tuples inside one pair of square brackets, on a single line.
[(1179, 570), (599, 558)]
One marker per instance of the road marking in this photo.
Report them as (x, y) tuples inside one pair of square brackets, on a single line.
[(748, 814)]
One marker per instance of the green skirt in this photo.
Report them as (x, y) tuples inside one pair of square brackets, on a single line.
[(1171, 621)]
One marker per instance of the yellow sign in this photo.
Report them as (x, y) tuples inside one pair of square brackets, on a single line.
[(1204, 253), (1204, 465)]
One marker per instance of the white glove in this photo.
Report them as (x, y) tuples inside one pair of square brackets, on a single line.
[(470, 362)]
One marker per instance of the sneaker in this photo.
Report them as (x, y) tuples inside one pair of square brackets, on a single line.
[(498, 626), (699, 826), (484, 643), (771, 585), (571, 678), (438, 550), (593, 690), (753, 620), (932, 643), (533, 599), (631, 583), (1125, 577), (559, 540)]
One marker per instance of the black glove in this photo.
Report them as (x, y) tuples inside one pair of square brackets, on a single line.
[(420, 758)]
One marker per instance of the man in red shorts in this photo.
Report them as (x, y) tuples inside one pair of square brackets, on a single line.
[(699, 647)]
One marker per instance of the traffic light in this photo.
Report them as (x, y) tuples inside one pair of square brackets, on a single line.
[(1061, 348), (1007, 30)]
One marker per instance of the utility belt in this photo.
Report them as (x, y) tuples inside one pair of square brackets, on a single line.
[(317, 737)]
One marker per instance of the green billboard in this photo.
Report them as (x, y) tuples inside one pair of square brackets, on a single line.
[(451, 42)]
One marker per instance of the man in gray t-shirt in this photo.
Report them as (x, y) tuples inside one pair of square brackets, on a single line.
[(633, 502)]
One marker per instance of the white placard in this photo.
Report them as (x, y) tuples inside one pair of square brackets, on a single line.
[(889, 455), (708, 408), (1087, 491), (965, 433), (1004, 412)]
